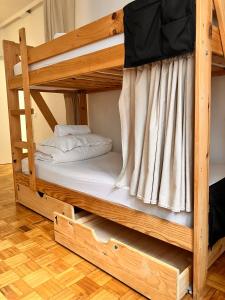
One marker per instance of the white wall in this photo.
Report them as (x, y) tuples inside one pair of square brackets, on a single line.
[(103, 107), (5, 149), (218, 120), (34, 25)]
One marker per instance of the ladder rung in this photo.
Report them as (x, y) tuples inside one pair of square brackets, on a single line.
[(19, 112), (21, 145)]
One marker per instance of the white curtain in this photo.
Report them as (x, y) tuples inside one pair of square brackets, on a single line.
[(156, 110), (59, 16)]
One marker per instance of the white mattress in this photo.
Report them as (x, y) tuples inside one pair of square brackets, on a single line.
[(97, 177), (100, 45)]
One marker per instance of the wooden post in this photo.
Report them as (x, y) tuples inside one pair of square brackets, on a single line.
[(27, 102), (201, 142), (11, 57)]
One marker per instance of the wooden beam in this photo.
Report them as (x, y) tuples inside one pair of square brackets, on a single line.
[(39, 100), (93, 32), (203, 60), (27, 103), (217, 48), (11, 57), (100, 60), (163, 230), (220, 12)]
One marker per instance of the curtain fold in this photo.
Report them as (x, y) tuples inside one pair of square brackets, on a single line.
[(72, 108), (76, 108), (156, 110), (59, 16)]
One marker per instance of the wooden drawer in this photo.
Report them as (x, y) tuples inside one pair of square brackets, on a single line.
[(153, 268), (43, 204)]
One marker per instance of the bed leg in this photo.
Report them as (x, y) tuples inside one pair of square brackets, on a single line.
[(201, 143)]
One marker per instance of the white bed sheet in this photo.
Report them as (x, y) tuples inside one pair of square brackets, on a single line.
[(100, 45), (97, 177)]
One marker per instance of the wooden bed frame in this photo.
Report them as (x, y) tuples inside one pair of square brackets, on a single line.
[(102, 71)]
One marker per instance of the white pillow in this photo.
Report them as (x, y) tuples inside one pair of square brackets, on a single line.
[(61, 130), (69, 142), (55, 155)]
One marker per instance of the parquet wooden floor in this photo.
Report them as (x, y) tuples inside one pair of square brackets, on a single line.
[(33, 266)]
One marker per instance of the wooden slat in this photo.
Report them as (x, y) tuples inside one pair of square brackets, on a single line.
[(44, 109), (203, 60), (100, 60), (27, 102), (85, 83), (93, 32), (220, 12), (21, 145), (164, 230), (19, 112), (85, 90)]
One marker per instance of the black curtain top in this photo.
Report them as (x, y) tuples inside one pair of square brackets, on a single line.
[(158, 29)]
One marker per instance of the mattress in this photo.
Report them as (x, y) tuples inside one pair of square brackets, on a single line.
[(97, 177), (100, 45)]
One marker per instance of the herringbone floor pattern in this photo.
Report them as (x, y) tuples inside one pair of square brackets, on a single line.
[(33, 266)]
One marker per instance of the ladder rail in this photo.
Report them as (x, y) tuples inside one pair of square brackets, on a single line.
[(28, 108)]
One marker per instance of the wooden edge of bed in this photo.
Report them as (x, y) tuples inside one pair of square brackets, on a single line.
[(100, 29), (104, 59), (111, 57), (164, 230)]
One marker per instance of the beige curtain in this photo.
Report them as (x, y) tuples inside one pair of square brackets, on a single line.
[(72, 108), (59, 16), (156, 110)]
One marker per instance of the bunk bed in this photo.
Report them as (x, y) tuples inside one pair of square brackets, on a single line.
[(88, 60)]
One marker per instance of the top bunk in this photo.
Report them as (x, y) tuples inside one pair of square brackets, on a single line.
[(88, 59)]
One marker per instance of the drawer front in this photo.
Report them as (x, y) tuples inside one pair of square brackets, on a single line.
[(146, 274), (45, 206)]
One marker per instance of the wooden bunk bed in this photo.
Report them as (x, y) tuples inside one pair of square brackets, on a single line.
[(102, 71)]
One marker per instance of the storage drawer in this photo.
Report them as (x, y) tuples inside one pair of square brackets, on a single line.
[(153, 268), (43, 204)]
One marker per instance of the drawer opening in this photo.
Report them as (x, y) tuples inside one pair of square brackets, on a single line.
[(105, 231), (152, 267), (80, 213)]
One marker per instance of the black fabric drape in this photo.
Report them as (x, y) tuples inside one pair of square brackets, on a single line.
[(158, 29), (216, 212)]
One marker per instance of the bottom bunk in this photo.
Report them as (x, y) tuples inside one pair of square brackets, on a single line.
[(96, 178), (132, 241)]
